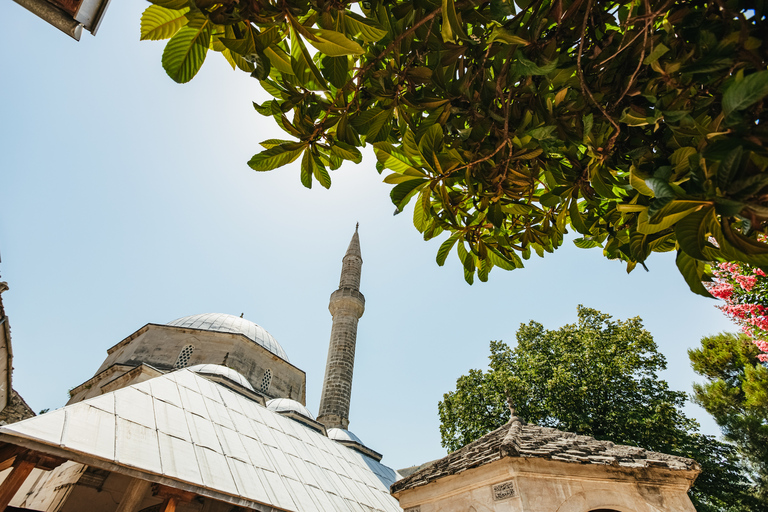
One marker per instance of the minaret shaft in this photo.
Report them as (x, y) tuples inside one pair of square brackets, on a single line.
[(347, 305)]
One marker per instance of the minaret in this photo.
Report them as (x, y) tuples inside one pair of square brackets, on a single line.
[(346, 306)]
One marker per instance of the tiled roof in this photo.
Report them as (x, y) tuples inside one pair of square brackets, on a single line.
[(181, 427), (516, 439)]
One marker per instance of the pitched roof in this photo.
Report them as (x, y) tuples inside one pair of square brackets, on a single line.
[(517, 439), (183, 430)]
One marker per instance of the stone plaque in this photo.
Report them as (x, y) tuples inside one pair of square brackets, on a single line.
[(504, 490), (413, 509)]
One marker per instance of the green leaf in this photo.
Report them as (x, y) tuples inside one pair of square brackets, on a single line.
[(503, 262), (680, 160), (667, 216), (656, 54), (336, 70), (445, 248), (160, 23), (660, 188), (639, 184), (577, 221), (270, 143), (346, 151), (451, 27), (403, 192), (526, 67), (499, 33), (729, 167), (421, 212), (746, 92), (691, 233), (185, 52), (431, 141), (171, 4), (394, 159), (277, 156), (334, 44), (374, 123), (317, 168), (278, 58), (367, 29), (693, 272), (584, 243), (303, 66)]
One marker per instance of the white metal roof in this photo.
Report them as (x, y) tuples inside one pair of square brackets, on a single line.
[(182, 427), (286, 405), (223, 371), (222, 322)]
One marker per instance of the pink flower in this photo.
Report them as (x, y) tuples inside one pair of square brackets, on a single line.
[(763, 358), (746, 282), (758, 272)]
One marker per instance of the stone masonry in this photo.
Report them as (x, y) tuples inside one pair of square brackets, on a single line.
[(346, 306)]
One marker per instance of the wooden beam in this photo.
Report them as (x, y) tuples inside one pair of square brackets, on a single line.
[(13, 482), (163, 491), (133, 495), (8, 454), (170, 504)]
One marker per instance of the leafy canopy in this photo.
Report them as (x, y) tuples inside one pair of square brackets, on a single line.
[(736, 394), (598, 377), (639, 124)]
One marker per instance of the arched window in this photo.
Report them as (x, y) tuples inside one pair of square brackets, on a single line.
[(266, 380), (183, 360)]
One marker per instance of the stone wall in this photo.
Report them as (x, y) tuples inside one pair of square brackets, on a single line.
[(16, 410), (160, 347)]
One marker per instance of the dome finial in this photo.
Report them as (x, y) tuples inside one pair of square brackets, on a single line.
[(357, 226)]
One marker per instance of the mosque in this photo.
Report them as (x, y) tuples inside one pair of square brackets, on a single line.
[(207, 414)]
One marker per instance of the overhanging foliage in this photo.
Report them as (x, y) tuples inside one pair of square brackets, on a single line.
[(639, 124)]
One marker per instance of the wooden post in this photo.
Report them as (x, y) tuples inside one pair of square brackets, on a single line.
[(133, 495), (11, 485)]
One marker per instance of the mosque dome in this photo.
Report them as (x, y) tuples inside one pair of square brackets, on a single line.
[(221, 322), (288, 405), (222, 371), (339, 434)]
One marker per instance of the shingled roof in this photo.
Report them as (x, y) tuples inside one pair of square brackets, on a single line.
[(518, 439)]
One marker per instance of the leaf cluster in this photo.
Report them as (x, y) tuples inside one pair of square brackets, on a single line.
[(638, 124), (735, 393), (598, 377)]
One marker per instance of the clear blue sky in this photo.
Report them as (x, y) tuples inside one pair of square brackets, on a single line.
[(126, 199)]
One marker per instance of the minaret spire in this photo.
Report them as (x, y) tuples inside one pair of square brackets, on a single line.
[(347, 305)]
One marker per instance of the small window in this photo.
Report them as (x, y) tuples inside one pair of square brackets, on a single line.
[(184, 355), (266, 380)]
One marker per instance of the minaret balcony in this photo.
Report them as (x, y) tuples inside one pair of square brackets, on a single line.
[(347, 300)]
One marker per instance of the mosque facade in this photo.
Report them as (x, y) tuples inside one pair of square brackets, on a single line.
[(204, 413)]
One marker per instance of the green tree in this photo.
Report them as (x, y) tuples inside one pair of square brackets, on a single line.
[(639, 124), (598, 377), (736, 394)]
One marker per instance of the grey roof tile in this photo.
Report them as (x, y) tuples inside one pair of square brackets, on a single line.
[(516, 439)]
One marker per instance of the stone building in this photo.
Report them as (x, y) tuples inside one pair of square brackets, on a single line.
[(205, 413), (527, 468)]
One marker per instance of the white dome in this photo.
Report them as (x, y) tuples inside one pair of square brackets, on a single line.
[(288, 405), (221, 322), (339, 434), (227, 373)]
